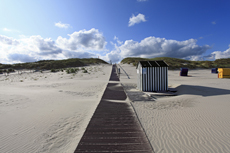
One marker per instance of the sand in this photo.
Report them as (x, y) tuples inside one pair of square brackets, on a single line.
[(196, 120), (48, 112)]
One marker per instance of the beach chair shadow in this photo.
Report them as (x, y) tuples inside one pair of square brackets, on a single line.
[(201, 90)]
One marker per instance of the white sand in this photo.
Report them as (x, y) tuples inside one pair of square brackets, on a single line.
[(48, 112), (196, 120)]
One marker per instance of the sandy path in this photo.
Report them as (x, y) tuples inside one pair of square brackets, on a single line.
[(48, 112), (197, 120)]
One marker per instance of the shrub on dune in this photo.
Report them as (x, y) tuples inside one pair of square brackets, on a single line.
[(72, 70), (53, 70)]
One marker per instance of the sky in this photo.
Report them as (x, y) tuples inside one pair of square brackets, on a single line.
[(113, 29)]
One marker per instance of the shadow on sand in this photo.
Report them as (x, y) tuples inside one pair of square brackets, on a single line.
[(114, 91), (200, 90)]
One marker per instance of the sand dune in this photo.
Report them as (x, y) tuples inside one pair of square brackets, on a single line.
[(196, 120), (48, 112)]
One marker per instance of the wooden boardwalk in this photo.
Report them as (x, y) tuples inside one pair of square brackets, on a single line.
[(114, 126)]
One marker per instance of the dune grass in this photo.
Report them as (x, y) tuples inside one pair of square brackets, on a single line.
[(176, 63), (52, 64)]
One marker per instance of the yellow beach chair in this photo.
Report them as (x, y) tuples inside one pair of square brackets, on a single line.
[(223, 72)]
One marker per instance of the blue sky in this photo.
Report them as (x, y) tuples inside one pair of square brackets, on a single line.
[(113, 29)]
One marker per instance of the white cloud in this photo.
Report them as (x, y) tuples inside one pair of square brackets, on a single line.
[(62, 25), (45, 46), (5, 29), (136, 19), (195, 58), (115, 38), (220, 54), (10, 30), (213, 22), (118, 41), (89, 40), (81, 44), (142, 0), (8, 40), (114, 56)]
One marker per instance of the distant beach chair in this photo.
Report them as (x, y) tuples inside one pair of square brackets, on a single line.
[(223, 72), (184, 72), (214, 70)]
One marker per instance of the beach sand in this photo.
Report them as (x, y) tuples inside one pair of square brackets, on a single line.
[(196, 120), (48, 112)]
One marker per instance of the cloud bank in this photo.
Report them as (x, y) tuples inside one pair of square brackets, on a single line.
[(136, 19), (151, 47), (91, 44), (155, 47), (81, 44)]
